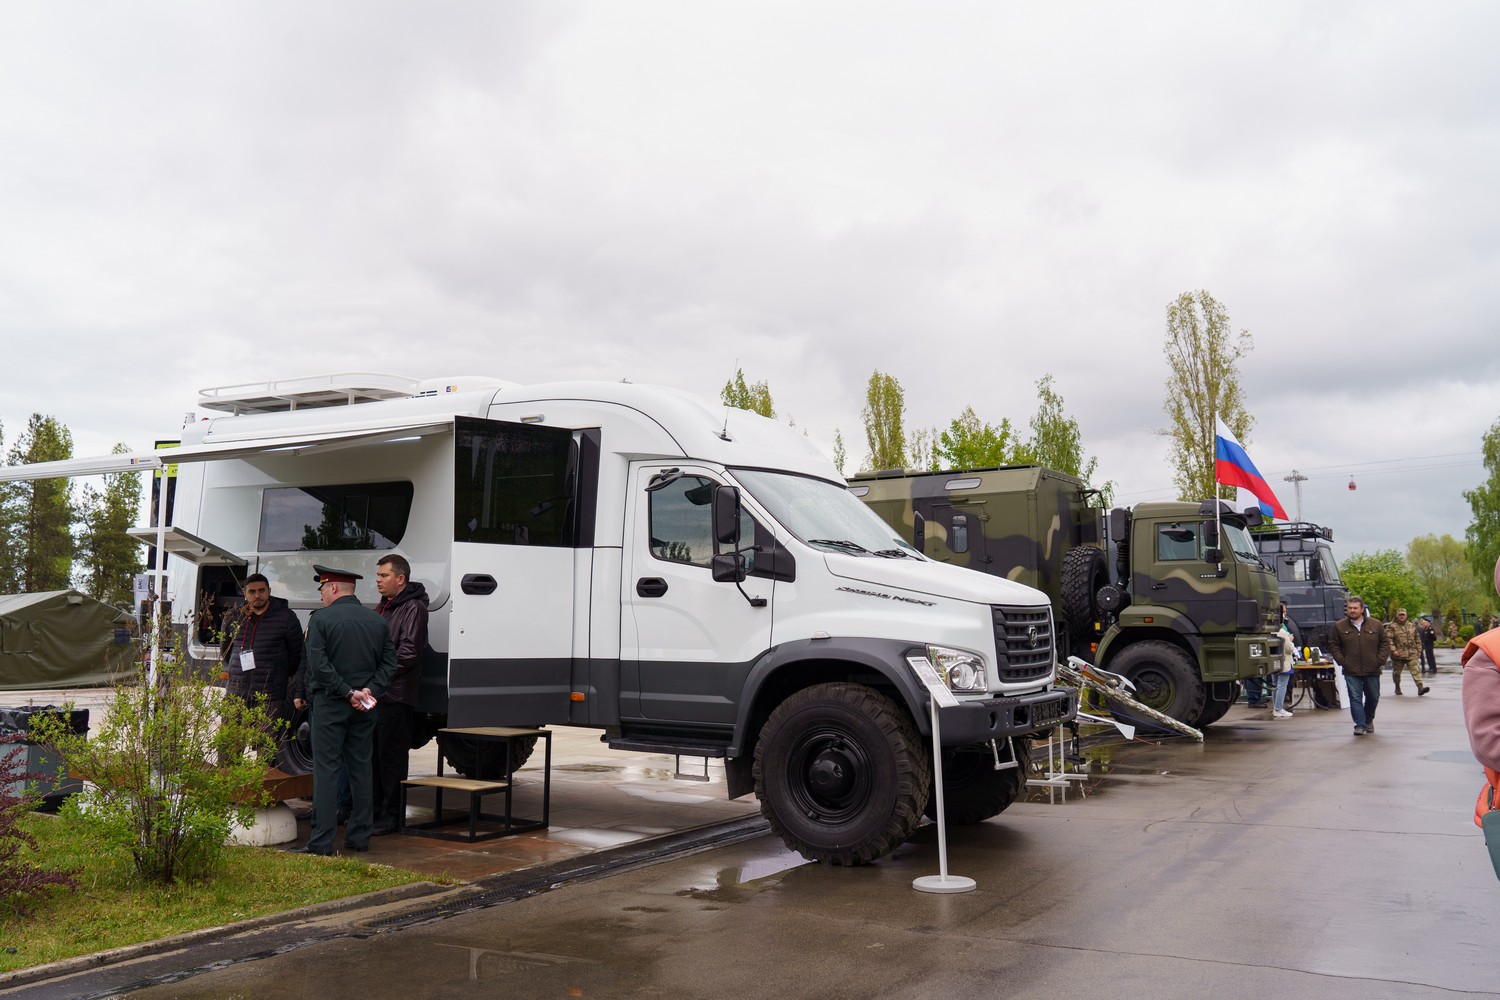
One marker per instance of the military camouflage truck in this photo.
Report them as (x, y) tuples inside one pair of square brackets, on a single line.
[(1308, 575), (1159, 592)]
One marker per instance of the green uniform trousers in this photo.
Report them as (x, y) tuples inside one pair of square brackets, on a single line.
[(341, 734)]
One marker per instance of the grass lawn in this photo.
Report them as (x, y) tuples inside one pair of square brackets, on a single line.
[(109, 908)]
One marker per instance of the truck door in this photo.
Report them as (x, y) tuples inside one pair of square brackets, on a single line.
[(686, 642), (520, 517), (1181, 578), (955, 534)]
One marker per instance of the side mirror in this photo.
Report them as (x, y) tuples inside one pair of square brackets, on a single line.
[(1213, 555), (729, 567), (1210, 536), (919, 532), (726, 517)]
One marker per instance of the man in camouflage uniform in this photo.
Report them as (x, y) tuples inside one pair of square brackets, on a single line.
[(1406, 650)]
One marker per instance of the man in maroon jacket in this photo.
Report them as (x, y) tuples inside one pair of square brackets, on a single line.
[(403, 605)]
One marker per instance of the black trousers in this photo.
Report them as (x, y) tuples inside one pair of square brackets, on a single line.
[(393, 729), (1429, 659)]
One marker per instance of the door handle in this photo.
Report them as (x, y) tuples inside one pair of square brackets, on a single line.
[(650, 586), (479, 584), (1158, 586)]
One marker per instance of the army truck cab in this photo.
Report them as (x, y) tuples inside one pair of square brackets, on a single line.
[(692, 579), (1308, 575), (1172, 595)]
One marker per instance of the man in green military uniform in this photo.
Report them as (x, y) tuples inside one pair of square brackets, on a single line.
[(350, 661), (1406, 650)]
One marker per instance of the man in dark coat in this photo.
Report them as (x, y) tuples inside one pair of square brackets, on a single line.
[(262, 647), (1359, 644), (403, 605), (350, 661)]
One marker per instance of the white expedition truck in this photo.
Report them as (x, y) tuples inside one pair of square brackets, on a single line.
[(695, 580)]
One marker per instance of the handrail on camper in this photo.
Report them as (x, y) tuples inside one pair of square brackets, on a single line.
[(332, 389)]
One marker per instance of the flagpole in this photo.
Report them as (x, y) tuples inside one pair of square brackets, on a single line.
[(1218, 525)]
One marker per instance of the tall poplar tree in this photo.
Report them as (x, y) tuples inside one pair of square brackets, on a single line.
[(1057, 443), (755, 397), (40, 511), (1203, 358), (885, 406), (970, 443)]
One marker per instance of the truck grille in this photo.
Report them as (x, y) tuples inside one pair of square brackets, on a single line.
[(1023, 643)]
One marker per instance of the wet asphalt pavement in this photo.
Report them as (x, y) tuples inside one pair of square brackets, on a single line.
[(1279, 859)]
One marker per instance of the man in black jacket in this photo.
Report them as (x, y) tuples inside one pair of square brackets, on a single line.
[(403, 605), (261, 647)]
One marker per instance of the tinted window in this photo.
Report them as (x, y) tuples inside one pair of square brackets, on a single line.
[(1177, 541), (324, 518), (513, 484), (682, 524)]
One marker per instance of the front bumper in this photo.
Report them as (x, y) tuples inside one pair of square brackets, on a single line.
[(999, 718)]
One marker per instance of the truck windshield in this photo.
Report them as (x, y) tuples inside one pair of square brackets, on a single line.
[(822, 514), (1237, 539), (1329, 568)]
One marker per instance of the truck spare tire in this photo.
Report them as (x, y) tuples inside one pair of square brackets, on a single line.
[(1083, 574)]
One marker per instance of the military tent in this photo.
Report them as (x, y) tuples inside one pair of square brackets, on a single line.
[(62, 639)]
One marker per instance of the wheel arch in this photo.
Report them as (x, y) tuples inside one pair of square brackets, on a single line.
[(790, 667)]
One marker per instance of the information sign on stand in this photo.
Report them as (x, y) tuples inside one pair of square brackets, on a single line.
[(939, 697)]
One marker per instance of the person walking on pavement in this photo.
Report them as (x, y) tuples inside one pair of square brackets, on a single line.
[(1452, 632), (350, 661), (261, 647), (1359, 645), (1428, 635), (1406, 651), (403, 605)]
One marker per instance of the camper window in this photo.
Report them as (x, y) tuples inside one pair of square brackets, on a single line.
[(343, 516)]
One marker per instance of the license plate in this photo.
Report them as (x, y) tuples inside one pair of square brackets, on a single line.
[(1048, 712)]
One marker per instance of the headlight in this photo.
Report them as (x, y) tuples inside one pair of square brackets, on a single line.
[(1257, 649), (960, 669)]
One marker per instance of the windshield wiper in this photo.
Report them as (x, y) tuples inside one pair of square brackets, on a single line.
[(838, 543), (894, 553)]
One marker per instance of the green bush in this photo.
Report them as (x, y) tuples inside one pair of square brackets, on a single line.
[(171, 765), (1465, 633)]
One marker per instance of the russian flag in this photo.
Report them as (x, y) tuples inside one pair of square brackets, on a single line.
[(1233, 467)]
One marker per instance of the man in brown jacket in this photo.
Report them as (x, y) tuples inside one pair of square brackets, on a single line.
[(403, 605), (1359, 645)]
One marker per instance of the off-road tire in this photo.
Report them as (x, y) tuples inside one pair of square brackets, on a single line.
[(294, 745), (841, 773), (485, 759), (1083, 572), (973, 791), (1165, 679), (1216, 701)]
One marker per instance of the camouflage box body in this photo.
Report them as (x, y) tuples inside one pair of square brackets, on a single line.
[(1044, 529)]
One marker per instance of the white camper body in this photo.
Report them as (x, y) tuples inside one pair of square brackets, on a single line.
[(693, 579)]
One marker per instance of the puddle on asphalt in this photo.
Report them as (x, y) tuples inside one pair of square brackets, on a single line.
[(1074, 779), (753, 875)]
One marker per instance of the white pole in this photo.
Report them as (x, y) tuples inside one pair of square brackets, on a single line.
[(159, 578), (941, 882)]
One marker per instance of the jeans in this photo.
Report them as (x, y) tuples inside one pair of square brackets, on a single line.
[(1364, 695), (1255, 690), (1278, 697)]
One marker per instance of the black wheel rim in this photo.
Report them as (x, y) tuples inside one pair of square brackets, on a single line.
[(830, 775), (1153, 688)]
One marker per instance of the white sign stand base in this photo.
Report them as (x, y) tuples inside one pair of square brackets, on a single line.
[(942, 882)]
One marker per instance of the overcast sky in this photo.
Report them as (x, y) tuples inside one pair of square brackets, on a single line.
[(967, 196)]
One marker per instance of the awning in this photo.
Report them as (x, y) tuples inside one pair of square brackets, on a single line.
[(188, 547), (285, 444)]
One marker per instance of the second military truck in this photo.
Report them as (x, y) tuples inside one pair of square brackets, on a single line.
[(1167, 594)]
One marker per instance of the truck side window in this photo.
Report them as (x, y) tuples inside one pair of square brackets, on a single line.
[(1176, 542), (958, 537), (681, 523), (330, 518)]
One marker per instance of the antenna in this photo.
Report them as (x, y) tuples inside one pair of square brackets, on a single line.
[(724, 434)]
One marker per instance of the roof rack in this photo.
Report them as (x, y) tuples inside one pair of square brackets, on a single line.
[(334, 389)]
